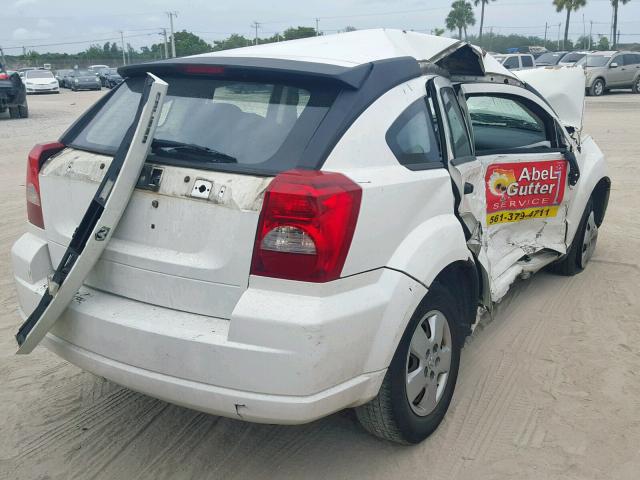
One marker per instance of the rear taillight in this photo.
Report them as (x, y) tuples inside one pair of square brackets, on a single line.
[(4, 76), (306, 226), (37, 156)]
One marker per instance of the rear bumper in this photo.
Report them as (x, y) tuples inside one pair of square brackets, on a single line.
[(291, 352), (86, 86), (249, 406)]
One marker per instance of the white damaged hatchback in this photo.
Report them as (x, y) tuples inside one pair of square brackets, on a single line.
[(279, 232)]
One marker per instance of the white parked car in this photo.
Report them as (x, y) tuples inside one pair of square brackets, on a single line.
[(40, 81), (517, 61), (316, 225)]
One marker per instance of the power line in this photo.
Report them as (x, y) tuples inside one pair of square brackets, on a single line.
[(76, 42)]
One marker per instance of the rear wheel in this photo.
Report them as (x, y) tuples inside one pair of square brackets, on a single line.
[(14, 112), (597, 88), (636, 85), (23, 110), (418, 386)]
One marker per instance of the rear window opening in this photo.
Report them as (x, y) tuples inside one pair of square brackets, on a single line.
[(216, 124)]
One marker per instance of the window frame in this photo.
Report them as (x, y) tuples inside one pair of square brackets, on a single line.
[(551, 132), (457, 159), (421, 103)]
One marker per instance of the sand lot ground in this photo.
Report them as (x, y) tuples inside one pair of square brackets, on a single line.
[(550, 388)]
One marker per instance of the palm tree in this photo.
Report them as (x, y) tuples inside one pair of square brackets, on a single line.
[(569, 6), (615, 4), (460, 17), (484, 2)]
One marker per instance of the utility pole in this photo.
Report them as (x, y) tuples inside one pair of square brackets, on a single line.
[(559, 26), (317, 26), (173, 37), (124, 58), (584, 32), (166, 47), (590, 33), (256, 25), (4, 63), (546, 26), (618, 38)]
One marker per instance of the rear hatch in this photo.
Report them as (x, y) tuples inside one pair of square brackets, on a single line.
[(186, 238)]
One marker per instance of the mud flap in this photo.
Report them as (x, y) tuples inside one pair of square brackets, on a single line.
[(100, 219)]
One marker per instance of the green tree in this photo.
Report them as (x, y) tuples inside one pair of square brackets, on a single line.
[(234, 41), (569, 6), (299, 32), (460, 17), (483, 2), (188, 43), (615, 4), (584, 42), (349, 28), (603, 44), (437, 32)]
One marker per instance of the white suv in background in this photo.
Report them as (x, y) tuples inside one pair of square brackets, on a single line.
[(316, 225), (517, 61)]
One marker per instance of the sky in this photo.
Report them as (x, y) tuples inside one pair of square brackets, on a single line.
[(75, 24)]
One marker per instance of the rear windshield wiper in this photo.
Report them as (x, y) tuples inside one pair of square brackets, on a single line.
[(161, 145)]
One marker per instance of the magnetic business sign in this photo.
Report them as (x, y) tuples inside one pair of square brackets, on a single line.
[(524, 191)]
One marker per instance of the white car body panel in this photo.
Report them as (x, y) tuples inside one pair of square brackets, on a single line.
[(563, 88), (172, 310), (203, 272), (361, 46)]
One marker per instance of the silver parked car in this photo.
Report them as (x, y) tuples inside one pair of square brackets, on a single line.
[(607, 70)]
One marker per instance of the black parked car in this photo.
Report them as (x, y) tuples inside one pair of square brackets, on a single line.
[(110, 77), (84, 80), (63, 77), (13, 94)]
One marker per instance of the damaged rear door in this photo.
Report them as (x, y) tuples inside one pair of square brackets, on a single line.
[(100, 218), (522, 186)]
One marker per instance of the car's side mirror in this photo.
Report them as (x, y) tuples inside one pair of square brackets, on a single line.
[(613, 65)]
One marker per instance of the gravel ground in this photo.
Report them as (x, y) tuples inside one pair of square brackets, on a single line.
[(549, 388)]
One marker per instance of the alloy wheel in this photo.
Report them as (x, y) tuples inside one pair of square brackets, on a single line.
[(589, 240), (428, 362)]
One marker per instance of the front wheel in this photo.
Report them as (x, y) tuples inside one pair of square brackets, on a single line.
[(418, 386), (597, 88), (582, 247), (636, 85)]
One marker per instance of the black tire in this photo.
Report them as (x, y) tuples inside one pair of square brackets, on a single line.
[(572, 264), (389, 415), (635, 88), (597, 88), (24, 110), (14, 112)]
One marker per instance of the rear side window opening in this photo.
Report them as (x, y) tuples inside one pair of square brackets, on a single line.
[(216, 124), (412, 138)]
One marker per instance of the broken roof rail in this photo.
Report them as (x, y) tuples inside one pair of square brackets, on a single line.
[(100, 219), (488, 78)]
